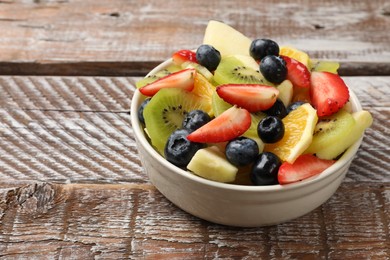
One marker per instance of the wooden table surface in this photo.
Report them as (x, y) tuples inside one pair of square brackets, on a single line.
[(71, 182)]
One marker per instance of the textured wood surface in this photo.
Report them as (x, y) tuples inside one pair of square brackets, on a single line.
[(89, 37), (60, 130)]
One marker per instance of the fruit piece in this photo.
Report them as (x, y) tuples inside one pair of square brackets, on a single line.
[(299, 126), (295, 54), (158, 75), (199, 68), (260, 48), (204, 89), (270, 129), (238, 70), (141, 110), (183, 79), (252, 97), (182, 56), (305, 166), (285, 92), (297, 73), (211, 164), (328, 93), (273, 68), (165, 113), (241, 151), (324, 65), (179, 150), (265, 169), (278, 109), (208, 56), (334, 134), (226, 39), (195, 119), (294, 106), (228, 125)]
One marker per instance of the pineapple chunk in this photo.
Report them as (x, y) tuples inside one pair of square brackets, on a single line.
[(210, 163)]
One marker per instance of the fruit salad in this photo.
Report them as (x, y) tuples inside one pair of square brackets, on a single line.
[(251, 112)]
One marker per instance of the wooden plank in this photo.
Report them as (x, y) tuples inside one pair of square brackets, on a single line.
[(43, 220), (127, 38)]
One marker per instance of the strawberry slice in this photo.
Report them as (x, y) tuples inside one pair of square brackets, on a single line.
[(297, 73), (182, 56), (252, 97), (183, 79), (328, 92), (305, 166), (230, 124)]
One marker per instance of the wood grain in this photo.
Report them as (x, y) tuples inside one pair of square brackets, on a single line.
[(89, 37)]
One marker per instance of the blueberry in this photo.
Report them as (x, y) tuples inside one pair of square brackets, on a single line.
[(141, 110), (278, 109), (208, 56), (260, 48), (273, 68), (270, 129), (195, 119), (241, 151), (265, 169), (179, 150), (294, 106)]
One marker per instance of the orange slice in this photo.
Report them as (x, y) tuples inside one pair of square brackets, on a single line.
[(295, 54), (204, 89), (299, 126)]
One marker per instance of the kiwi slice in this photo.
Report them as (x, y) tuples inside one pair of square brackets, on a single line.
[(165, 113), (158, 75), (219, 105), (331, 131), (239, 69)]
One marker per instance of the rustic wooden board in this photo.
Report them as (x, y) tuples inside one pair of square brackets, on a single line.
[(91, 37), (105, 221)]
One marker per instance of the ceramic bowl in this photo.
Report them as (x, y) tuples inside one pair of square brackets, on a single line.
[(238, 205)]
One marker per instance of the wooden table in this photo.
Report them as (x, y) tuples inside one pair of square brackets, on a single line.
[(71, 183)]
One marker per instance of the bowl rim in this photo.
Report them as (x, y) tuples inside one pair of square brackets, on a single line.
[(347, 156)]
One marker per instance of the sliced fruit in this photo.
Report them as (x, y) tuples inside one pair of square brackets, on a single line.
[(204, 89), (328, 93), (210, 163), (199, 68), (252, 97), (228, 125), (297, 73), (305, 166), (299, 126), (226, 39), (165, 113), (183, 79), (324, 65), (160, 74), (336, 133), (296, 54), (285, 92), (182, 56), (239, 70)]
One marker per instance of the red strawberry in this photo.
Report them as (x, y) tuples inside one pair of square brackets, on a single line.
[(328, 93), (305, 166), (228, 125), (297, 73), (181, 79), (182, 56), (252, 97)]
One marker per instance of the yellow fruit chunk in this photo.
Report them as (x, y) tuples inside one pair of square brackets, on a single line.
[(293, 53), (299, 126), (226, 39), (204, 89)]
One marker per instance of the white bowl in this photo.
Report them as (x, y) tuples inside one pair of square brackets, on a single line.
[(238, 205)]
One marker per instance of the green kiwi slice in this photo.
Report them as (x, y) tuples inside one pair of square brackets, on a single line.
[(238, 69), (165, 113), (158, 75), (331, 131)]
